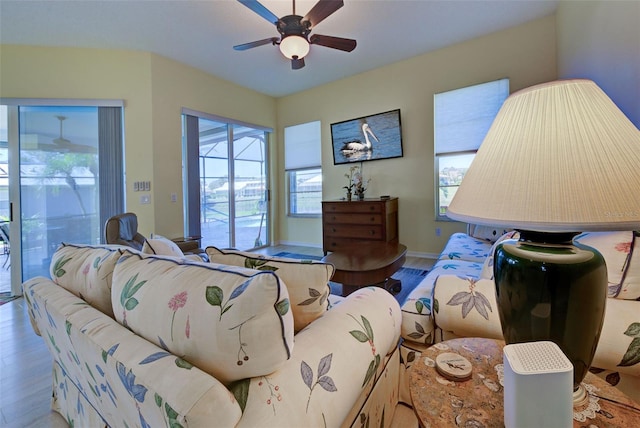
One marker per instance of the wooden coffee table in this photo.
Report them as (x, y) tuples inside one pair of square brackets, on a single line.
[(363, 264)]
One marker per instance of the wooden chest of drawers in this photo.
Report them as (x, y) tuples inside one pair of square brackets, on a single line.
[(346, 222)]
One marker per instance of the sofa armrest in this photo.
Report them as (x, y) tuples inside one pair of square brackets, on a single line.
[(466, 307), (336, 360), (619, 345), (130, 380)]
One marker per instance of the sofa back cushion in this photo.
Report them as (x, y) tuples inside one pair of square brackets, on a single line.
[(86, 271), (620, 252), (307, 280), (488, 233), (230, 322)]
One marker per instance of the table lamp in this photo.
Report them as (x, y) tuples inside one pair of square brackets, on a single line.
[(560, 158)]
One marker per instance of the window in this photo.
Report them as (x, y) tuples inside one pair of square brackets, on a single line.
[(462, 118), (304, 174)]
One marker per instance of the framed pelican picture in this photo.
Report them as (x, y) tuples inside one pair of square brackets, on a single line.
[(367, 138)]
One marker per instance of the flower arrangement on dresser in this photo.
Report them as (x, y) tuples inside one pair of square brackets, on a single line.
[(457, 299), (357, 184)]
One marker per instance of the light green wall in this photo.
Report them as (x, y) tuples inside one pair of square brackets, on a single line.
[(175, 86), (600, 40), (154, 90), (526, 54)]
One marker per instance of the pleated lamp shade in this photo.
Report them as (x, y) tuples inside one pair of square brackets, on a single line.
[(559, 157)]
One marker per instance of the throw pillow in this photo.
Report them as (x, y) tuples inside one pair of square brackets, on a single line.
[(231, 322), (307, 280), (162, 247), (86, 271)]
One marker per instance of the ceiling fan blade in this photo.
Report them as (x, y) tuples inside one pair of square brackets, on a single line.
[(258, 8), (257, 43), (346, 45), (297, 64), (321, 10)]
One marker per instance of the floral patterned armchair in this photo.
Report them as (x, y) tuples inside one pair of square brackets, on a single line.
[(457, 299)]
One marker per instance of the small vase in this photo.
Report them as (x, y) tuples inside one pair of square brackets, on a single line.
[(360, 196), (348, 195)]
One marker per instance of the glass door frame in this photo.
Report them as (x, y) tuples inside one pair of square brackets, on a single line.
[(191, 191), (15, 195)]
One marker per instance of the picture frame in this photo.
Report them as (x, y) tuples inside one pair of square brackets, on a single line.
[(374, 137)]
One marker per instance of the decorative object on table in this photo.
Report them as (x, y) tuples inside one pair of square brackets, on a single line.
[(453, 366), (378, 136), (349, 185), (537, 375), (560, 158), (357, 183), (360, 184)]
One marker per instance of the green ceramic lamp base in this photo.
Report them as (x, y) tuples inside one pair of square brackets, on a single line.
[(549, 288)]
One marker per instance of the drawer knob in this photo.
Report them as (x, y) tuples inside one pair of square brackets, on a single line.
[(333, 230), (373, 219), (371, 207), (373, 232)]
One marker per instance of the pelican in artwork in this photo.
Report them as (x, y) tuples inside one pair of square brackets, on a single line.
[(355, 146)]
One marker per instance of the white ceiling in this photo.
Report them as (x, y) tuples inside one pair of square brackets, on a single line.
[(202, 33)]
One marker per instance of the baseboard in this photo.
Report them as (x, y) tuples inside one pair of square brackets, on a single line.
[(297, 244), (420, 255)]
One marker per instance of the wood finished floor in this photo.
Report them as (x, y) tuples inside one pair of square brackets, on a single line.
[(25, 364)]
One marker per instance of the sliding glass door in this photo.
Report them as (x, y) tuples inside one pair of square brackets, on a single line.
[(226, 192), (58, 182), (60, 190)]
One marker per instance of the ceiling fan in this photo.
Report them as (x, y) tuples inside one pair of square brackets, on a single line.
[(62, 144), (294, 31)]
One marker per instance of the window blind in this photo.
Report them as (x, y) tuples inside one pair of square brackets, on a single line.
[(462, 117), (302, 146)]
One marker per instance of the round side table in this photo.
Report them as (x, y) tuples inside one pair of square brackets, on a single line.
[(478, 401)]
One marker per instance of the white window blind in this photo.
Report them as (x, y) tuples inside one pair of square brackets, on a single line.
[(463, 116), (302, 146)]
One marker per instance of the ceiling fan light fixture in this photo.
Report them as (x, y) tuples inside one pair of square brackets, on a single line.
[(294, 47)]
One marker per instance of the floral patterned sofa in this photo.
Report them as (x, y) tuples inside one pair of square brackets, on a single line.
[(150, 340), (457, 299)]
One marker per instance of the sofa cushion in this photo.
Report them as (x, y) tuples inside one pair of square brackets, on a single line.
[(620, 252), (229, 321), (461, 246), (161, 246), (307, 280), (86, 271), (458, 298)]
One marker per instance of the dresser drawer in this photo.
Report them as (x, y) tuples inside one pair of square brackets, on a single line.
[(353, 231), (334, 244), (354, 207), (347, 218)]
